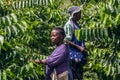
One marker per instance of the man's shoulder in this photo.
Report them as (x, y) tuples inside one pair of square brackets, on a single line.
[(68, 24)]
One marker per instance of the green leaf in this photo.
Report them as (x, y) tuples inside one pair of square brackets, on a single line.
[(109, 70), (8, 21), (14, 17), (10, 73), (14, 29), (86, 34), (117, 19), (9, 30), (8, 44), (1, 40), (4, 75), (24, 23), (89, 34), (31, 65), (93, 34), (20, 27), (3, 21)]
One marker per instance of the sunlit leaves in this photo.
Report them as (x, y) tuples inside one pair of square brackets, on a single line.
[(100, 28), (12, 25), (1, 40), (30, 3), (92, 34), (25, 35), (14, 17), (106, 62)]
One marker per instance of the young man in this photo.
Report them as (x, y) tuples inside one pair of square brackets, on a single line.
[(76, 48)]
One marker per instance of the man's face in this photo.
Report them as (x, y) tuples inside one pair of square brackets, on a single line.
[(77, 16), (56, 37)]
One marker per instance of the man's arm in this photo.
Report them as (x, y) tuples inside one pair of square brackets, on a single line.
[(82, 49)]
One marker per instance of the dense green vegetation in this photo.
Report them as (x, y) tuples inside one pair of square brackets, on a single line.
[(25, 27)]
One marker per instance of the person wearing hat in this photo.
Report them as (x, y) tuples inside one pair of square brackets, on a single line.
[(74, 44)]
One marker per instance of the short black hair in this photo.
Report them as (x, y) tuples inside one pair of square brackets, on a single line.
[(60, 29)]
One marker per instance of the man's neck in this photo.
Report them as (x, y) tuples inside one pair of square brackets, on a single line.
[(74, 20)]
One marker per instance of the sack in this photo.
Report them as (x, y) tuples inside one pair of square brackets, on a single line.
[(84, 59), (76, 55)]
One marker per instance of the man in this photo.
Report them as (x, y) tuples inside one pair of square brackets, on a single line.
[(74, 45)]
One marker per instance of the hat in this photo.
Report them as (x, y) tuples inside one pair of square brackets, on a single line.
[(74, 9)]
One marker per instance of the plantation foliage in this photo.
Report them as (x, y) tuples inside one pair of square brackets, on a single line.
[(25, 27)]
